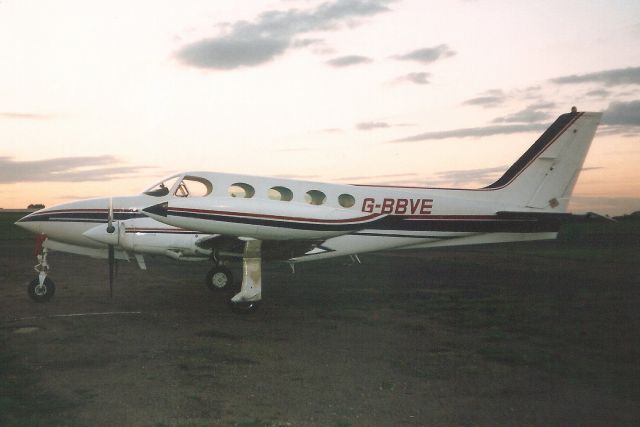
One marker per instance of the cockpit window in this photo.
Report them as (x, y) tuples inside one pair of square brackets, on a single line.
[(193, 186), (161, 188)]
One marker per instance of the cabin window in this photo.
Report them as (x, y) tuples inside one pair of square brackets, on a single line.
[(346, 200), (315, 197), (280, 193), (193, 186), (241, 190)]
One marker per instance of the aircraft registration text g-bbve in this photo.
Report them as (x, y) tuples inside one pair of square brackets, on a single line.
[(398, 206)]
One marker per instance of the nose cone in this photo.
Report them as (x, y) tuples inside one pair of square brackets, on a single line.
[(30, 222)]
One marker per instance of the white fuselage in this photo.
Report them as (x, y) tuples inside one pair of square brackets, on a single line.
[(196, 213), (342, 219)]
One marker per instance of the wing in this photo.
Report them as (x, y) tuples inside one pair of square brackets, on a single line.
[(272, 250)]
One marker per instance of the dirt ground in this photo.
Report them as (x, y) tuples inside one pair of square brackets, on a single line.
[(533, 334)]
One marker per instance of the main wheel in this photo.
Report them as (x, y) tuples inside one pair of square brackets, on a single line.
[(219, 278), (41, 293)]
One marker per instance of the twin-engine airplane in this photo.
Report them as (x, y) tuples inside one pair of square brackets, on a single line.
[(216, 216)]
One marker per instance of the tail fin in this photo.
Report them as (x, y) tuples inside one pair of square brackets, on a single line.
[(545, 175)]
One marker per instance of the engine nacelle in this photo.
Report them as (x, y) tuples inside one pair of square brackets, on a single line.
[(145, 236)]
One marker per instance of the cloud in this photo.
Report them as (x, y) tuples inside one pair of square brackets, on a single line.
[(24, 116), (345, 61), (428, 54), (420, 78), (497, 97), (272, 33), (616, 77), (622, 114), (474, 132), (372, 125), (465, 178), (530, 114), (307, 42), (232, 52), (489, 99), (64, 169), (598, 93), (331, 130), (469, 178)]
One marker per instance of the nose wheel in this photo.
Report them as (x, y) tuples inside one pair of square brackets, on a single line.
[(41, 292)]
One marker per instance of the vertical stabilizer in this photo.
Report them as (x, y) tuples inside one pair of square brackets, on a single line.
[(545, 175)]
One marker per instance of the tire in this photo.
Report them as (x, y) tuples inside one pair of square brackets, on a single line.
[(219, 279), (41, 293)]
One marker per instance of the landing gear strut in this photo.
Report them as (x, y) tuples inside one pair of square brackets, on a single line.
[(250, 295), (42, 288)]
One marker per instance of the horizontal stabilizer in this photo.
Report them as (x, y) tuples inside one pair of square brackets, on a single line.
[(555, 218)]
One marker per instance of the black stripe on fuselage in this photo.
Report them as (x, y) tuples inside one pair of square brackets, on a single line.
[(469, 223), (251, 220), (454, 223), (88, 216)]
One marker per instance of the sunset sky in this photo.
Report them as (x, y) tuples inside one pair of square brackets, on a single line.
[(106, 98)]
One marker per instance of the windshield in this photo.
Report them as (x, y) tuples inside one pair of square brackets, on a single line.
[(188, 186), (162, 188)]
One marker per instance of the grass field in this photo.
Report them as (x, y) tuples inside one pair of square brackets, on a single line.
[(8, 230), (541, 333)]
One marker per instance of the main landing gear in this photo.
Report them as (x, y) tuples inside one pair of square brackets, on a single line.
[(42, 288), (219, 279), (248, 299)]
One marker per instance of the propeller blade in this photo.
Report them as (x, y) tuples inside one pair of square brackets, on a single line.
[(111, 268), (112, 254), (110, 227)]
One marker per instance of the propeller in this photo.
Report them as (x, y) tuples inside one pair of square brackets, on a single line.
[(112, 257)]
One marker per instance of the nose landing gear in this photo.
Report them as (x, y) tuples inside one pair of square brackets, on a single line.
[(42, 288)]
